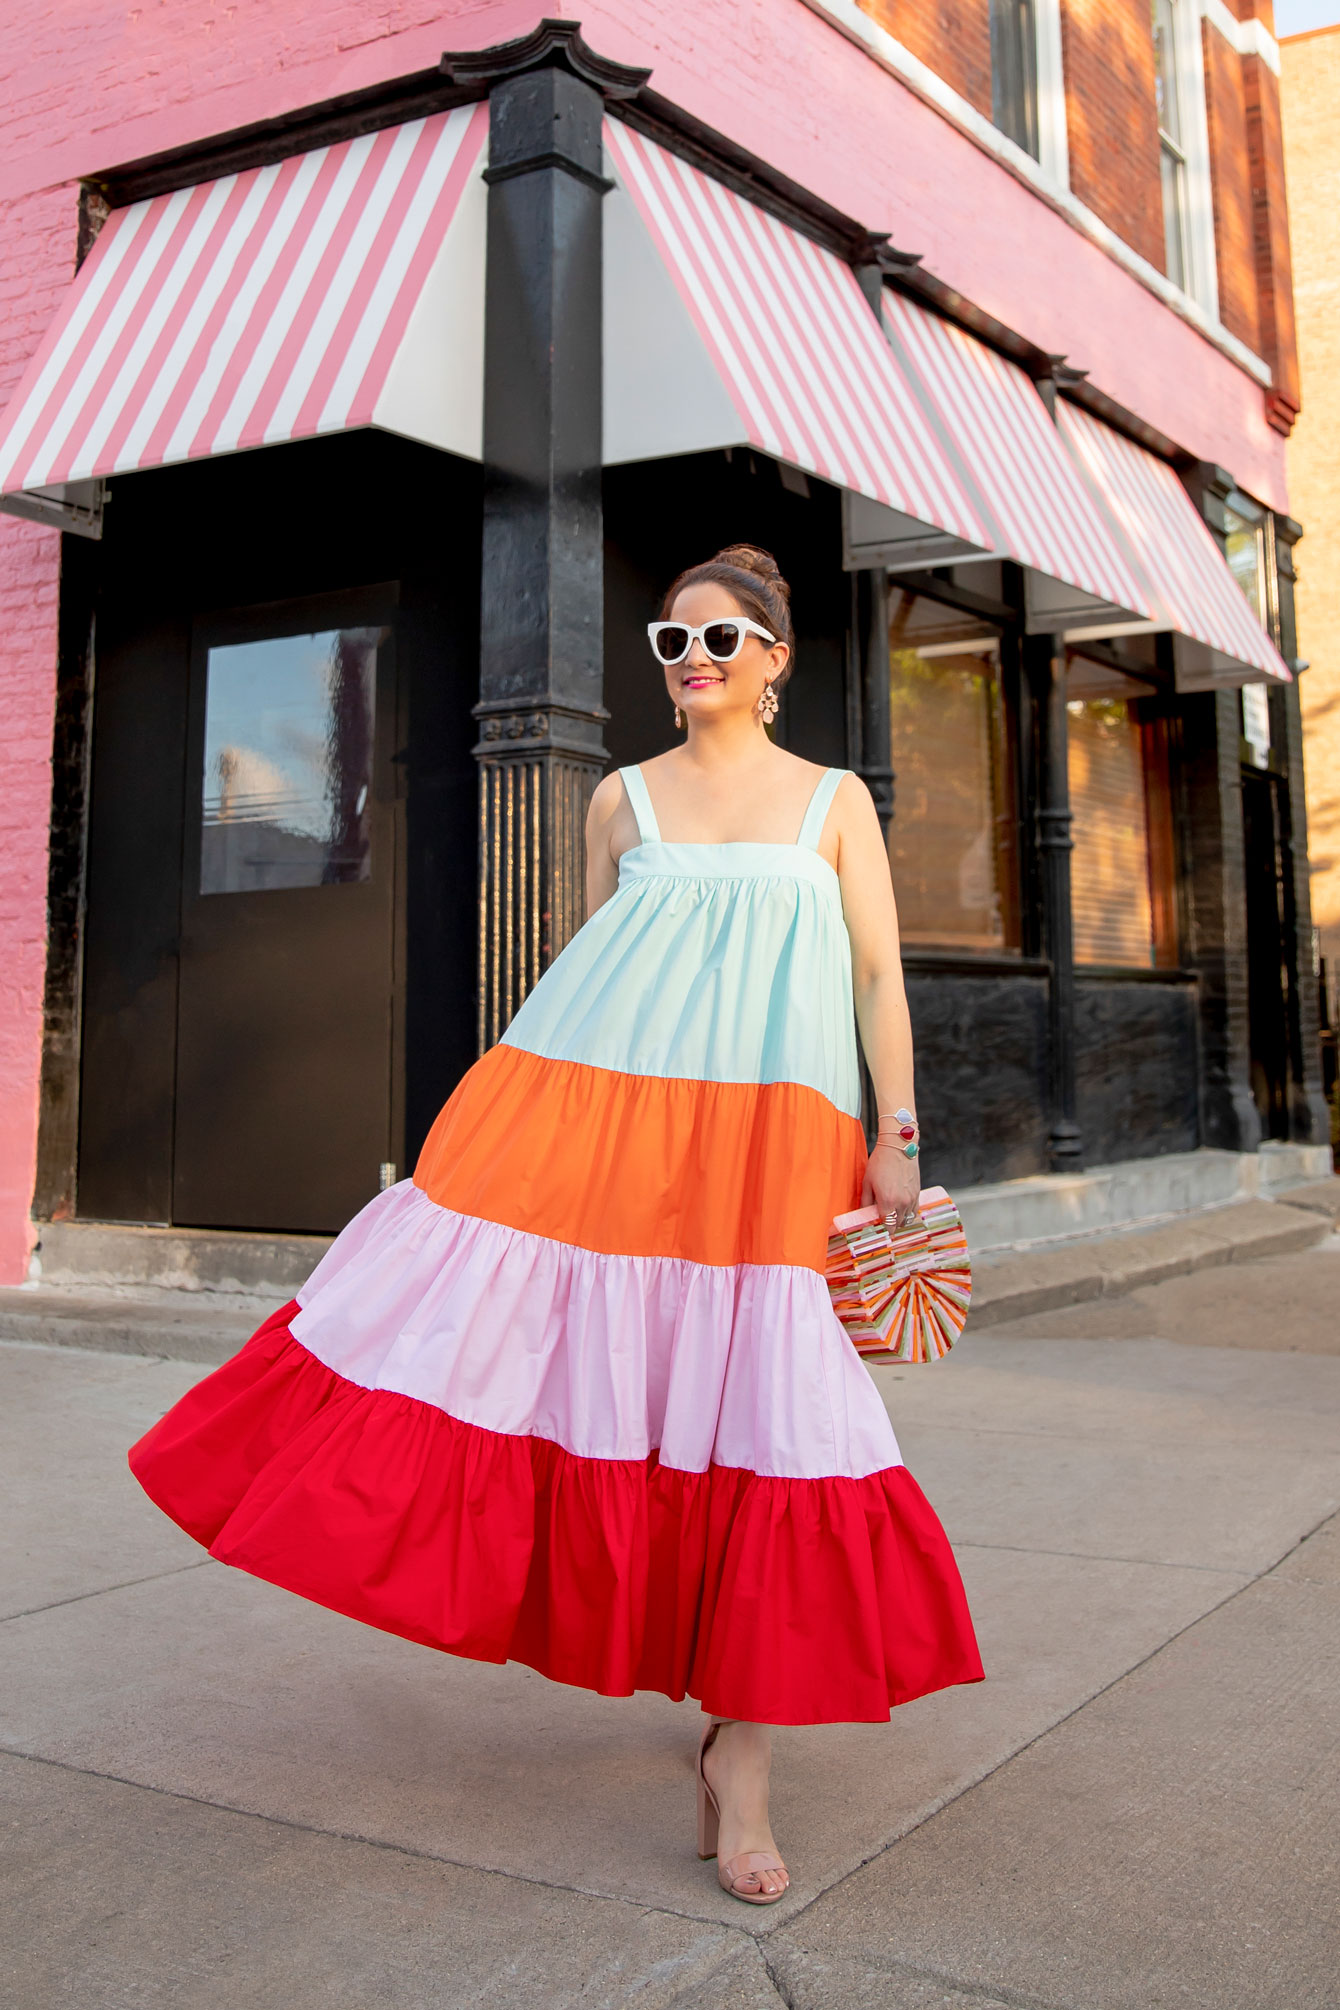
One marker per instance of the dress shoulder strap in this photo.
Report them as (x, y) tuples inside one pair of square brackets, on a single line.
[(820, 802), (647, 827)]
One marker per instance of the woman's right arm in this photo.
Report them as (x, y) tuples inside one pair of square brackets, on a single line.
[(602, 867)]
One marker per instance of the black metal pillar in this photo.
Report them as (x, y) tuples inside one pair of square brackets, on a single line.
[(1047, 678), (869, 734), (1209, 784), (1309, 1113), (540, 750), (1214, 878)]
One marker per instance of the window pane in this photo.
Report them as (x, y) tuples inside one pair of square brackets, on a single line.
[(1172, 166), (1014, 71), (1256, 722), (288, 762), (1165, 71), (951, 842), (1172, 171), (1242, 547), (1109, 883)]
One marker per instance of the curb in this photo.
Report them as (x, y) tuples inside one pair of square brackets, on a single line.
[(207, 1327), (1020, 1283), (114, 1323)]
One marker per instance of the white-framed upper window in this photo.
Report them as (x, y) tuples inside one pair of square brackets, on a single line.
[(1028, 81), (1184, 151), (1014, 72)]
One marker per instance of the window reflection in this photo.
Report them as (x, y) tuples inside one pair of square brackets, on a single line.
[(1172, 157), (1014, 71), (1109, 872), (1243, 547), (952, 839), (1121, 875), (288, 762)]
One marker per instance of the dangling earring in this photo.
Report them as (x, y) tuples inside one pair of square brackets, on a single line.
[(767, 704), (679, 723)]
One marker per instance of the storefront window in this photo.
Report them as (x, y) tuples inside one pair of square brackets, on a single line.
[(952, 841), (288, 762), (1121, 881), (1255, 702), (1244, 547)]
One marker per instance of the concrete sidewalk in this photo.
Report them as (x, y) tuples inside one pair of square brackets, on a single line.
[(221, 1798), (208, 1324)]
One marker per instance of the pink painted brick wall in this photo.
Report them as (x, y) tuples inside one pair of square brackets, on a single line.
[(83, 88), (89, 86), (37, 239)]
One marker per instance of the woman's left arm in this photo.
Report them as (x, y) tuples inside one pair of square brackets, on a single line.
[(892, 1180)]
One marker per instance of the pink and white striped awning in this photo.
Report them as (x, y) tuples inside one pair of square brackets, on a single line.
[(337, 289), (725, 327), (1045, 515), (1180, 565)]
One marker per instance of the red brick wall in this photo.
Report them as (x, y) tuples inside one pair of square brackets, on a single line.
[(1270, 211), (37, 236), (952, 37), (1231, 187), (1108, 48)]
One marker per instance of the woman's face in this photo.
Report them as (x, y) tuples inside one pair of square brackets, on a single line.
[(703, 688)]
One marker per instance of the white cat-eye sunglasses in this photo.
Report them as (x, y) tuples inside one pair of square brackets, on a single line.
[(721, 640)]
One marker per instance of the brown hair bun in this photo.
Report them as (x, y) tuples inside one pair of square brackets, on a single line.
[(752, 558), (754, 582)]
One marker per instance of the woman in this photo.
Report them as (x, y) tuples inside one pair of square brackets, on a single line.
[(575, 1395)]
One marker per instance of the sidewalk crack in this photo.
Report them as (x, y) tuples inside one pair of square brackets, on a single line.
[(1093, 1556), (352, 1836), (969, 1786), (104, 1590)]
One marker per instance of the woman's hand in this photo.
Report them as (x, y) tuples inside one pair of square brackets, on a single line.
[(892, 1183)]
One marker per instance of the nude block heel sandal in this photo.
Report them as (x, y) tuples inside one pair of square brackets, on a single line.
[(737, 1870)]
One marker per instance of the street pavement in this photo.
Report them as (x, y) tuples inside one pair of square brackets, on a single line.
[(217, 1797)]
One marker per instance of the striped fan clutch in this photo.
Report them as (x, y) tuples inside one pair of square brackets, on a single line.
[(901, 1292)]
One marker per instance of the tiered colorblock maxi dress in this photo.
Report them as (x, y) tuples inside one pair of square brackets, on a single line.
[(575, 1395)]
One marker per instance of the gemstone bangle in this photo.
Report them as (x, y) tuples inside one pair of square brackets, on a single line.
[(902, 1131)]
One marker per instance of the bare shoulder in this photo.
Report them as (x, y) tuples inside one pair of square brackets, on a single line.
[(795, 775), (856, 832), (606, 797), (796, 764), (611, 826), (853, 799)]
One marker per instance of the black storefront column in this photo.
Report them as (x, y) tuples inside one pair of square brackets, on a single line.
[(1047, 680), (1214, 903), (1309, 1113), (1213, 866), (540, 749), (869, 730), (869, 736)]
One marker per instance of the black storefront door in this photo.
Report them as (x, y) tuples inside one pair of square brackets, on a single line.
[(285, 1011), (242, 1034), (277, 949)]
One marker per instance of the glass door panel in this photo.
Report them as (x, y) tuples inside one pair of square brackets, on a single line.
[(287, 995)]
